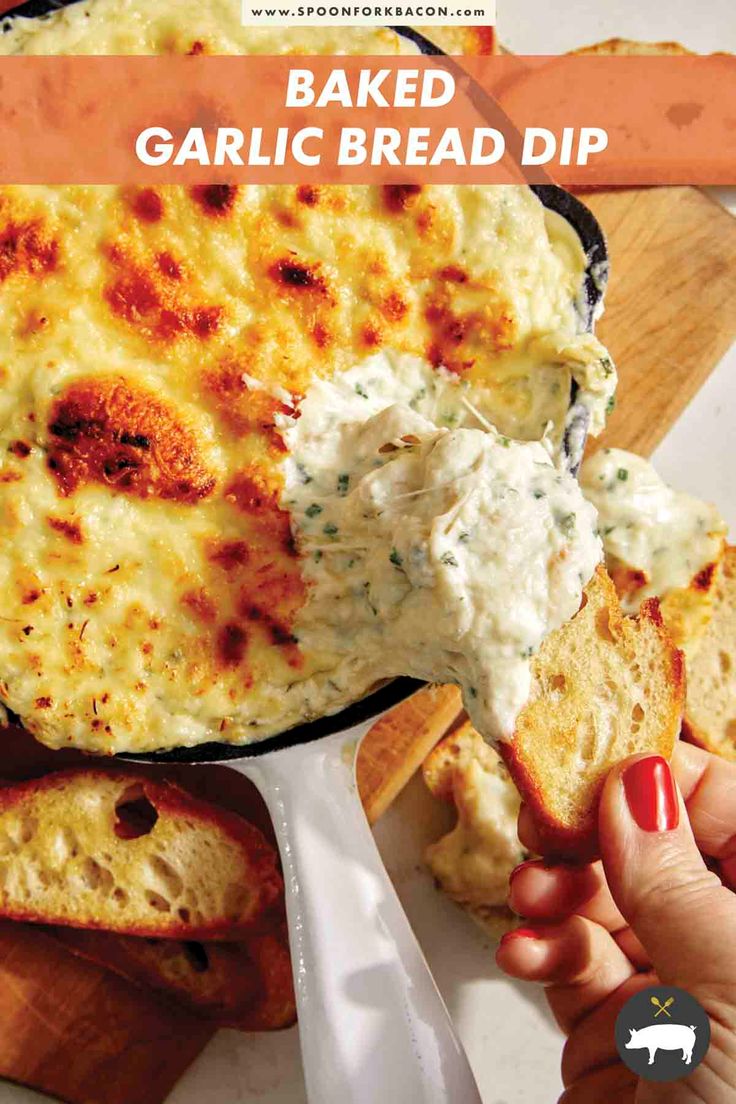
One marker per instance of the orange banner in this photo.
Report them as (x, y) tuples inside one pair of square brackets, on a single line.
[(578, 120)]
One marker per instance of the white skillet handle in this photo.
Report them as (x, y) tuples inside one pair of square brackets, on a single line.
[(373, 1026)]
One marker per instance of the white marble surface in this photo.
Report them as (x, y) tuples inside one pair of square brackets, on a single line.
[(511, 1041)]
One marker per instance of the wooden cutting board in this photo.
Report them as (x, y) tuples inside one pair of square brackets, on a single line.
[(670, 316)]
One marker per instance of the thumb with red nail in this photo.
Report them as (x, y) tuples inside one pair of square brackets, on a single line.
[(652, 911)]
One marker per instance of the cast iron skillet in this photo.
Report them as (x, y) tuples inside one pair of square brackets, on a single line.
[(373, 1026)]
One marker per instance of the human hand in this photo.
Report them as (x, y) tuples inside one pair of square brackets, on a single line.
[(650, 912)]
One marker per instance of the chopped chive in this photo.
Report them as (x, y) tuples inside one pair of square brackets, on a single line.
[(360, 390), (622, 474), (343, 481), (473, 692), (611, 405), (318, 555), (539, 494), (395, 558), (313, 510), (449, 559), (505, 441), (464, 538), (330, 529), (566, 523), (304, 476)]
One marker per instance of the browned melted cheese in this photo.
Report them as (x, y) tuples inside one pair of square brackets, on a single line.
[(151, 339), (116, 433)]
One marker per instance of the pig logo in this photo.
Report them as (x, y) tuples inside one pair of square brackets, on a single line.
[(662, 1034), (664, 1037)]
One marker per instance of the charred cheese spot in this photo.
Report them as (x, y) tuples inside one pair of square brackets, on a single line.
[(627, 580), (201, 605), (394, 307), (277, 631), (232, 642), (244, 410), (454, 274), (321, 335), (460, 336), (21, 449), (215, 199), (704, 578), (398, 198), (118, 433), (298, 276), (169, 266), (27, 248), (69, 529), (229, 555), (43, 703), (308, 194), (372, 335), (145, 297), (148, 205)]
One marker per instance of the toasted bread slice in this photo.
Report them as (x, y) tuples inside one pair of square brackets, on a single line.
[(119, 851), (246, 985), (393, 750), (710, 709), (472, 863), (630, 46), (604, 687)]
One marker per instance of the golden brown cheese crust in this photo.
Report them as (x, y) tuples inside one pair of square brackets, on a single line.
[(150, 340)]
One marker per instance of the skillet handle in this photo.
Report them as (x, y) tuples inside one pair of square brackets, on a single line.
[(373, 1026)]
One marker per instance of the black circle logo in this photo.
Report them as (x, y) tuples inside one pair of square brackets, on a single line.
[(662, 1034)]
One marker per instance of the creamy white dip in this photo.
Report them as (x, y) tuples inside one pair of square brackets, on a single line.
[(644, 523), (443, 553)]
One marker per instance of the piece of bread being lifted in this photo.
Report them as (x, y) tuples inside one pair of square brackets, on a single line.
[(119, 851), (604, 686), (710, 710)]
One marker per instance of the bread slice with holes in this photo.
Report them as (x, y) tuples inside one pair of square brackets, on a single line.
[(710, 709), (125, 853), (246, 985), (604, 686)]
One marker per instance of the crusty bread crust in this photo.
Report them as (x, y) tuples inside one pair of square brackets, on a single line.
[(604, 687), (710, 710), (68, 856), (246, 985)]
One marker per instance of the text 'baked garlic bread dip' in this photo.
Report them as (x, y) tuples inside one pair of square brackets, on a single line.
[(161, 509)]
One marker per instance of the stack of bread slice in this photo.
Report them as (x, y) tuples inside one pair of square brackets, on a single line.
[(128, 869)]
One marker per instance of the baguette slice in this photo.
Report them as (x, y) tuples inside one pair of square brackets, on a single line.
[(604, 687), (246, 985), (710, 709), (632, 47), (393, 750), (118, 851)]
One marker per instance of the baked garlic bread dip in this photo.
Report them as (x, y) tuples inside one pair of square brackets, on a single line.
[(658, 542), (156, 348)]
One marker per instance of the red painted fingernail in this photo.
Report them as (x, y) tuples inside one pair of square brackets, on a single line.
[(522, 866), (651, 794), (520, 933)]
